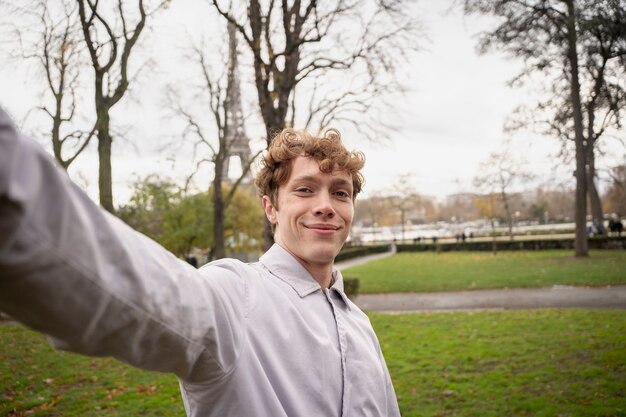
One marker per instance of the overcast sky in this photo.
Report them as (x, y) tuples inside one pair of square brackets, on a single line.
[(450, 120)]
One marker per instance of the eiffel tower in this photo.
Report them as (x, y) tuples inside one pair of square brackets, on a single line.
[(237, 142)]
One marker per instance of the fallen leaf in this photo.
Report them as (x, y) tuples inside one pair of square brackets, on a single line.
[(149, 390)]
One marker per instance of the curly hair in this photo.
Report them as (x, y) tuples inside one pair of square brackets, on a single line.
[(328, 150)]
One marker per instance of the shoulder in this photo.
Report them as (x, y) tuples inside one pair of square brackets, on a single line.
[(232, 266), (229, 270)]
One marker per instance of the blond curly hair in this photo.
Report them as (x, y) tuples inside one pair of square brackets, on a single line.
[(327, 149)]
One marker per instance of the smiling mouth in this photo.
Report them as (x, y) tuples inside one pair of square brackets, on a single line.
[(322, 227)]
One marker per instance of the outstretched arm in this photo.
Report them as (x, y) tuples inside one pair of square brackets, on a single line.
[(77, 273)]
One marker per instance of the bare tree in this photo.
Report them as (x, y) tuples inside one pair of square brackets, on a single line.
[(461, 206), (498, 174), (110, 38), (615, 198), (402, 198), (547, 35), (331, 106), (294, 42), (213, 143), (369, 212), (602, 57), (552, 203), (52, 41), (488, 207), (603, 37)]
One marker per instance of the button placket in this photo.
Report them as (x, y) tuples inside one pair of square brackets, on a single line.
[(342, 350)]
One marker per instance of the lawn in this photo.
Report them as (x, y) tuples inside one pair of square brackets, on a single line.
[(510, 363), (449, 271), (36, 380)]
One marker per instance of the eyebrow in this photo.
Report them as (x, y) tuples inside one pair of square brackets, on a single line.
[(315, 179)]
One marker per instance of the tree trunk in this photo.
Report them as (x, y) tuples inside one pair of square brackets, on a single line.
[(104, 159), (56, 138), (219, 250), (594, 197), (494, 246), (581, 245), (507, 210), (270, 131)]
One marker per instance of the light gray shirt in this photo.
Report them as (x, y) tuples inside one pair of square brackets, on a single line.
[(243, 340)]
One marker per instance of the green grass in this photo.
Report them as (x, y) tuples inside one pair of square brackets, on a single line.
[(36, 380), (510, 363), (448, 271)]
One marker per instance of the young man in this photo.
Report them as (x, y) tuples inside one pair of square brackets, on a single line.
[(274, 338)]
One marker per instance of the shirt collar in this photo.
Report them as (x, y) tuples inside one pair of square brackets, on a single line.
[(338, 287), (287, 268)]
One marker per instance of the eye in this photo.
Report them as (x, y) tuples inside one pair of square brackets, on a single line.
[(342, 194), (304, 190)]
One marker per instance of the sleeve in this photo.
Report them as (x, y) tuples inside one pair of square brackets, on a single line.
[(97, 287), (392, 400)]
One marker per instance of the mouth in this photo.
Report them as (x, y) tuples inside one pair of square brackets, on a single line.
[(322, 227)]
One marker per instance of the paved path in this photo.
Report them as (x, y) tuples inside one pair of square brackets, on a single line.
[(362, 260), (557, 296)]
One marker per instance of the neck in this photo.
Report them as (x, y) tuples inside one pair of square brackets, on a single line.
[(323, 274)]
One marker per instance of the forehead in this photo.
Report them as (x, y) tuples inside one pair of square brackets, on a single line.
[(307, 168)]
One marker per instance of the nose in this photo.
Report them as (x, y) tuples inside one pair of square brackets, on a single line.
[(324, 206)]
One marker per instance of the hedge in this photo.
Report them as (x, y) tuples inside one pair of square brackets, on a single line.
[(538, 244), (349, 252)]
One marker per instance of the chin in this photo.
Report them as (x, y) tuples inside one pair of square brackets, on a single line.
[(325, 254)]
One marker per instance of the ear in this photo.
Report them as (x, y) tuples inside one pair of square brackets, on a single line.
[(270, 210)]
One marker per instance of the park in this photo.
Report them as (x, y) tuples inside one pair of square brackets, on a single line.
[(493, 135), (539, 362)]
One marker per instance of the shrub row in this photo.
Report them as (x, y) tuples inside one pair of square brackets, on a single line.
[(351, 285), (538, 244), (349, 252)]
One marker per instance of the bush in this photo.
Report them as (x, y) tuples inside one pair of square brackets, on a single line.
[(349, 252), (351, 286), (535, 244)]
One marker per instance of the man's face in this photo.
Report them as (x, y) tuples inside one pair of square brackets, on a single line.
[(315, 212)]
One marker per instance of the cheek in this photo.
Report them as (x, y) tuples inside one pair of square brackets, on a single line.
[(347, 213)]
